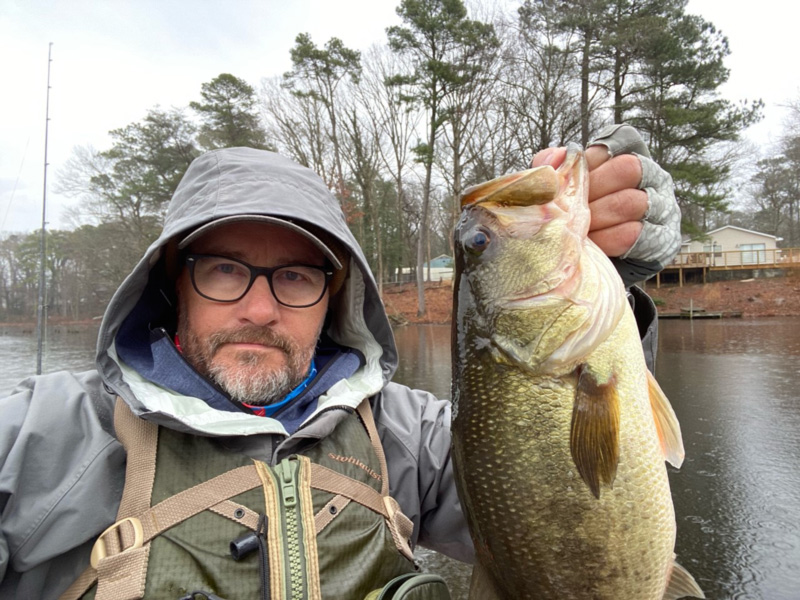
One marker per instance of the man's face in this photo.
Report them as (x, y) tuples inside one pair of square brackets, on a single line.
[(255, 349)]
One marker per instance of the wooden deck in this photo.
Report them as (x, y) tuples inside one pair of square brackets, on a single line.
[(697, 265)]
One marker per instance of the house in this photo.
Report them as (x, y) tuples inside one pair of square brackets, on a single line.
[(732, 246), (441, 269)]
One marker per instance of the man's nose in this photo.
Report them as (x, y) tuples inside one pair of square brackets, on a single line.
[(259, 305)]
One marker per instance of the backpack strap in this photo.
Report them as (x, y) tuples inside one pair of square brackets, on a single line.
[(346, 489), (140, 440), (120, 555), (365, 412)]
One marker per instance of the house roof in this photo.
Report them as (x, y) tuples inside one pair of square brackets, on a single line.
[(745, 230), (440, 262)]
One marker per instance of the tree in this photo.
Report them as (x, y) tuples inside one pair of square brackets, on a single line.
[(540, 98), (19, 276), (469, 98), (584, 22), (229, 115), (777, 188), (316, 75), (680, 111), (395, 120), (440, 40), (297, 126), (130, 184)]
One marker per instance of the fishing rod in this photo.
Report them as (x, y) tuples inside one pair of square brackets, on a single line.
[(40, 313)]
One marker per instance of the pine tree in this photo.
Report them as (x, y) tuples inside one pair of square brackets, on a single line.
[(682, 115), (440, 41), (229, 115)]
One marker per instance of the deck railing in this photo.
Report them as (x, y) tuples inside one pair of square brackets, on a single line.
[(738, 259)]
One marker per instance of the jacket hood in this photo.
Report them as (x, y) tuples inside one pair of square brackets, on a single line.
[(225, 183)]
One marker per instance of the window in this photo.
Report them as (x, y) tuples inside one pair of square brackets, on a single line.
[(753, 254)]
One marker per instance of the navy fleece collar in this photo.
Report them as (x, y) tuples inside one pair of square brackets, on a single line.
[(159, 361)]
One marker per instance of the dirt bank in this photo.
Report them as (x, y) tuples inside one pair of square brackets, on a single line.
[(752, 298)]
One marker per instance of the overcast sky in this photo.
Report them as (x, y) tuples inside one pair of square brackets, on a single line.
[(115, 59)]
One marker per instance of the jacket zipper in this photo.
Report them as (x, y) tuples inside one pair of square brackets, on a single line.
[(286, 472)]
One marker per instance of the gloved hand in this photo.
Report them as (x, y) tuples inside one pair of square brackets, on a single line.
[(635, 218)]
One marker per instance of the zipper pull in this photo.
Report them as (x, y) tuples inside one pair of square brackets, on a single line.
[(287, 475)]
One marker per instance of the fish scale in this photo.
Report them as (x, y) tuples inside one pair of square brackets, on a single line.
[(559, 463)]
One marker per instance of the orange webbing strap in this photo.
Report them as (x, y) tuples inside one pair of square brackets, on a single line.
[(328, 480), (365, 412), (329, 512), (400, 525), (140, 440), (121, 559), (203, 496)]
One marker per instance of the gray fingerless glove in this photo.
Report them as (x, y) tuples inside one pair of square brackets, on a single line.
[(660, 239)]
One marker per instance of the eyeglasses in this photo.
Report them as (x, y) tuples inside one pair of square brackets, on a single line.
[(225, 279)]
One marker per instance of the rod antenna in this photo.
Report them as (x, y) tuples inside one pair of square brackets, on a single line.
[(41, 314)]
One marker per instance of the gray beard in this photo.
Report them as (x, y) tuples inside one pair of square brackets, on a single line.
[(259, 389), (244, 382)]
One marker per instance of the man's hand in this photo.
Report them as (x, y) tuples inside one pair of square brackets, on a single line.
[(635, 217)]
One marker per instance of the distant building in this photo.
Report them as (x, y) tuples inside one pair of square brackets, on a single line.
[(441, 269), (732, 246)]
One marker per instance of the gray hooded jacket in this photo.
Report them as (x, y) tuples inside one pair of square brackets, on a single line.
[(61, 466)]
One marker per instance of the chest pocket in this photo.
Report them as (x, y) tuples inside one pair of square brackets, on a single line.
[(324, 520)]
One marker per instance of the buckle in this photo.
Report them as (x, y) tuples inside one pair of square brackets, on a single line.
[(99, 550)]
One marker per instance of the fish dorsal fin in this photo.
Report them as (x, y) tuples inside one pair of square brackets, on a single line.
[(669, 430), (594, 433), (681, 585)]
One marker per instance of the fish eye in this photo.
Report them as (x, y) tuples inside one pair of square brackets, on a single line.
[(478, 241)]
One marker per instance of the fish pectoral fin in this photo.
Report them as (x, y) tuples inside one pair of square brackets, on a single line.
[(594, 432), (667, 426), (482, 585), (681, 585)]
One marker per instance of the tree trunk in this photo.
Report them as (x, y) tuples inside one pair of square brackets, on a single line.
[(587, 43)]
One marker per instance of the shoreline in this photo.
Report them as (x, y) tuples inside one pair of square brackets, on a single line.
[(751, 298)]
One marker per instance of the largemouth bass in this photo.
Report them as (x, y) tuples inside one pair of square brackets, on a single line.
[(559, 432)]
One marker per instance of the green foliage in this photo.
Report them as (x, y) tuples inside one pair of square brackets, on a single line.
[(397, 133), (229, 114), (315, 79), (147, 160), (442, 43), (677, 106), (324, 67), (777, 195)]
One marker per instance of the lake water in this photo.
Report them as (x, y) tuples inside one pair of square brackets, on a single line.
[(734, 386)]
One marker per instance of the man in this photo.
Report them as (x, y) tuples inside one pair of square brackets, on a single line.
[(251, 353)]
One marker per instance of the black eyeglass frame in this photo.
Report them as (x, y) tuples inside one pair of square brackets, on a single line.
[(191, 260)]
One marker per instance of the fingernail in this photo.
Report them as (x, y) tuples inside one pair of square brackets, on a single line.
[(548, 157)]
